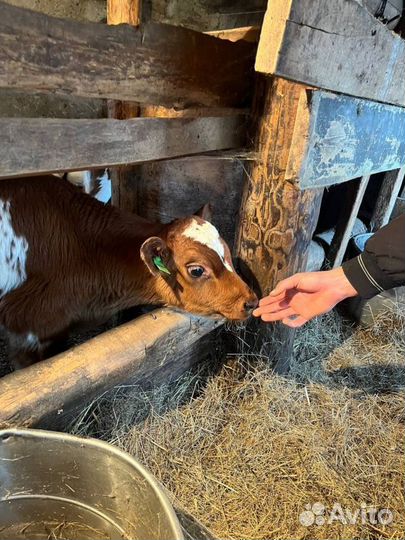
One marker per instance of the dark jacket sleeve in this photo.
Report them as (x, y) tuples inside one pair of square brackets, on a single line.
[(382, 264)]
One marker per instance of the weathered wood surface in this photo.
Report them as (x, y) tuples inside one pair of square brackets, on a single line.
[(209, 15), (131, 352), (337, 138), (33, 146), (170, 189), (157, 111), (277, 218), (336, 45), (153, 64), (347, 218), (387, 197)]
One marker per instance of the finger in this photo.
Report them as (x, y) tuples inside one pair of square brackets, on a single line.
[(288, 283), (278, 305), (278, 316), (295, 322), (267, 300)]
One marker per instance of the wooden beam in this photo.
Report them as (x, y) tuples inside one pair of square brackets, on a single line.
[(387, 198), (124, 11), (245, 33), (152, 64), (337, 138), (38, 145), (277, 219), (335, 45), (347, 218), (131, 352)]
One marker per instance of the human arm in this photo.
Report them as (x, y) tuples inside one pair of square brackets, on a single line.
[(303, 296)]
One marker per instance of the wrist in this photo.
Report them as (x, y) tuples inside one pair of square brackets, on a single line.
[(344, 289)]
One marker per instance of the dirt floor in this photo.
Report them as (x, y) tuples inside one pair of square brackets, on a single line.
[(254, 455)]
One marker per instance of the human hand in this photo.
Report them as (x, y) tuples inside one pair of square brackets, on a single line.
[(303, 296)]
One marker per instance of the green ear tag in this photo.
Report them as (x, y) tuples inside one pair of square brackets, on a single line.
[(160, 265)]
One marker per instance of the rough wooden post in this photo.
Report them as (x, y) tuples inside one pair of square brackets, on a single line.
[(277, 219), (123, 178)]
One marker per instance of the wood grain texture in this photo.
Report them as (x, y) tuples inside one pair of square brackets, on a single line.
[(338, 138), (206, 15), (387, 198), (152, 64), (179, 187), (336, 45), (124, 12), (277, 218), (135, 351), (31, 146), (347, 218)]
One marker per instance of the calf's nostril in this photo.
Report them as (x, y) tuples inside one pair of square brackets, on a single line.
[(251, 305)]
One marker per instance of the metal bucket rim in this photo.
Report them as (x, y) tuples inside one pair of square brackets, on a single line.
[(157, 488)]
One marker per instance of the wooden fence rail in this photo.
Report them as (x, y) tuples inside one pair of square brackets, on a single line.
[(40, 145), (155, 343), (153, 64), (336, 45), (338, 137)]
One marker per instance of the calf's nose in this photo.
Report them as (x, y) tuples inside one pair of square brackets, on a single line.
[(251, 304)]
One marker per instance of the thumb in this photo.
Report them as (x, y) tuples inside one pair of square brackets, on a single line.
[(285, 284)]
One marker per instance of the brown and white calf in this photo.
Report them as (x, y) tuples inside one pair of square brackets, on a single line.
[(65, 259)]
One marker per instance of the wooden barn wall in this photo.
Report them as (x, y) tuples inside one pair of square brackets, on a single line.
[(170, 189), (206, 15)]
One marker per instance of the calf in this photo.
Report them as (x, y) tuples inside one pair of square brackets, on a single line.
[(66, 258)]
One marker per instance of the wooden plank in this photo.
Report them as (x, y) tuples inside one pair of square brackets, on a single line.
[(277, 219), (124, 11), (152, 64), (133, 351), (337, 46), (338, 138), (38, 145), (387, 198), (245, 33), (156, 111), (347, 218)]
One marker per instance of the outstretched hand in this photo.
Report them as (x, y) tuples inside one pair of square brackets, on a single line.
[(303, 296)]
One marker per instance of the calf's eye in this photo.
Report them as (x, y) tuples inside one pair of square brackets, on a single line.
[(196, 271)]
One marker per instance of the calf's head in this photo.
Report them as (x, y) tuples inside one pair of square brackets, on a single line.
[(196, 265)]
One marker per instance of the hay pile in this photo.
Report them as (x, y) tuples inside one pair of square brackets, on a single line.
[(247, 452)]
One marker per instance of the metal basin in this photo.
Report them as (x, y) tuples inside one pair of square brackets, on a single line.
[(55, 486)]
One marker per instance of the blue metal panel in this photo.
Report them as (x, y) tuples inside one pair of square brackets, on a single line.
[(350, 137)]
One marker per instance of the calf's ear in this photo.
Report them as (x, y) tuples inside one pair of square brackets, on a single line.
[(157, 257), (205, 212)]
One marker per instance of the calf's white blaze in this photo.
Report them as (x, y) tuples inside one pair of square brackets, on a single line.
[(13, 253), (206, 234)]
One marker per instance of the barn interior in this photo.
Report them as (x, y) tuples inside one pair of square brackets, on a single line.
[(247, 426)]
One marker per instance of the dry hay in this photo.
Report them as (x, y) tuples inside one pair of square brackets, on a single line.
[(246, 451)]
